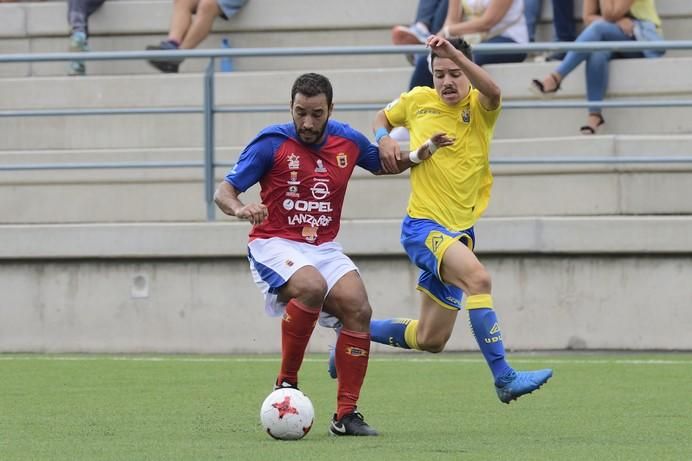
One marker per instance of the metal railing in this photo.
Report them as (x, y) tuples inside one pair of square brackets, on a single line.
[(209, 109)]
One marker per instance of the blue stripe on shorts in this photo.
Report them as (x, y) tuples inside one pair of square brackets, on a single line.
[(270, 277)]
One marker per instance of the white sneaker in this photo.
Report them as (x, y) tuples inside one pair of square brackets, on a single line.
[(410, 35)]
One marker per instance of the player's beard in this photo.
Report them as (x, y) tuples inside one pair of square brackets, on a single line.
[(314, 135)]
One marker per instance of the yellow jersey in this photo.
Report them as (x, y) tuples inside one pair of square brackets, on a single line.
[(453, 186)]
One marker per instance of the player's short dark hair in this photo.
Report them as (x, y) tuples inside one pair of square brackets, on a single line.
[(458, 43), (312, 84)]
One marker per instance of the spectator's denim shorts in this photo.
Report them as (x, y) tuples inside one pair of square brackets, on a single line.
[(231, 7)]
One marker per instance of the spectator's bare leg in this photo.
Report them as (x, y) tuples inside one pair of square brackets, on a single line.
[(181, 19), (207, 12)]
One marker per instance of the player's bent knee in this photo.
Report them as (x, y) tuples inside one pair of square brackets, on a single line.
[(433, 345), (355, 316), (364, 314), (479, 282), (433, 348), (310, 289)]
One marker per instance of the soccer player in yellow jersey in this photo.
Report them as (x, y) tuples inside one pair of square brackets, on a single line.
[(449, 192)]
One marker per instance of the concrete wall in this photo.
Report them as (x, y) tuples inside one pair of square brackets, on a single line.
[(582, 283)]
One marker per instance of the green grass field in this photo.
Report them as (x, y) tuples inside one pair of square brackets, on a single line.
[(427, 407)]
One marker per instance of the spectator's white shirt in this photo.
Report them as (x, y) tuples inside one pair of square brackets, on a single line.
[(512, 25)]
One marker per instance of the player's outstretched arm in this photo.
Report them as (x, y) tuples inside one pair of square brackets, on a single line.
[(428, 148), (226, 198), (390, 151), (481, 80)]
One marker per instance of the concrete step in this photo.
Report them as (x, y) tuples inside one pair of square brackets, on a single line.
[(273, 88), (235, 88), (383, 84), (527, 235), (186, 130), (133, 24), (128, 17), (520, 190), (360, 37)]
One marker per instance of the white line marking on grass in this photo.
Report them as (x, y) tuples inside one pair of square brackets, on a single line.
[(391, 359)]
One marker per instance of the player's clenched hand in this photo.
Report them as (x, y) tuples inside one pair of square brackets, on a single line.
[(390, 152), (253, 212), (441, 47)]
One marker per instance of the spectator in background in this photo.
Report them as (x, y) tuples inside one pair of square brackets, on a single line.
[(186, 31), (78, 12), (480, 21), (430, 16), (564, 28), (606, 20)]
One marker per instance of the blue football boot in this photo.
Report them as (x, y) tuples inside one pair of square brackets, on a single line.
[(517, 383)]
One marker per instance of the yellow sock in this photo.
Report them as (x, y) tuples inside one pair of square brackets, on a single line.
[(410, 335)]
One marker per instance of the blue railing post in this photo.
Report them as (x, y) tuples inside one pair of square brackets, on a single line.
[(209, 160)]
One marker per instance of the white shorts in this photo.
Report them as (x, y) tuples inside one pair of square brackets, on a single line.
[(273, 261)]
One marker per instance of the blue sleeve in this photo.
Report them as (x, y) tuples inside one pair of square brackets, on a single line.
[(369, 156), (254, 162)]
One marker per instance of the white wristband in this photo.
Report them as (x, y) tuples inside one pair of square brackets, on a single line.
[(432, 147), (413, 156)]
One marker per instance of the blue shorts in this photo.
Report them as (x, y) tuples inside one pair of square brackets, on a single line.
[(425, 242)]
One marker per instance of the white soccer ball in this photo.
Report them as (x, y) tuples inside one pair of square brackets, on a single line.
[(287, 414)]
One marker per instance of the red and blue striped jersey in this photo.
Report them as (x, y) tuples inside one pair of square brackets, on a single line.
[(302, 185)]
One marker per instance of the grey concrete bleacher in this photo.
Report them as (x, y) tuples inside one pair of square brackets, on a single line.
[(180, 137), (143, 195), (121, 260), (133, 24), (247, 88)]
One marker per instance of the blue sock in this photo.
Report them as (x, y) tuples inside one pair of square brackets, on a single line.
[(390, 332), (489, 338)]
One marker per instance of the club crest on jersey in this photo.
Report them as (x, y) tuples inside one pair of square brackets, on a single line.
[(341, 160), (293, 162), (320, 167), (294, 179), (466, 115)]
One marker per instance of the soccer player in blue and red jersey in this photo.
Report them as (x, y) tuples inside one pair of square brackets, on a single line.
[(303, 169), (449, 193)]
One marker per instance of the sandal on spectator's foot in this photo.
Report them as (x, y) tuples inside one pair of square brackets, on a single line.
[(588, 129), (538, 87)]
